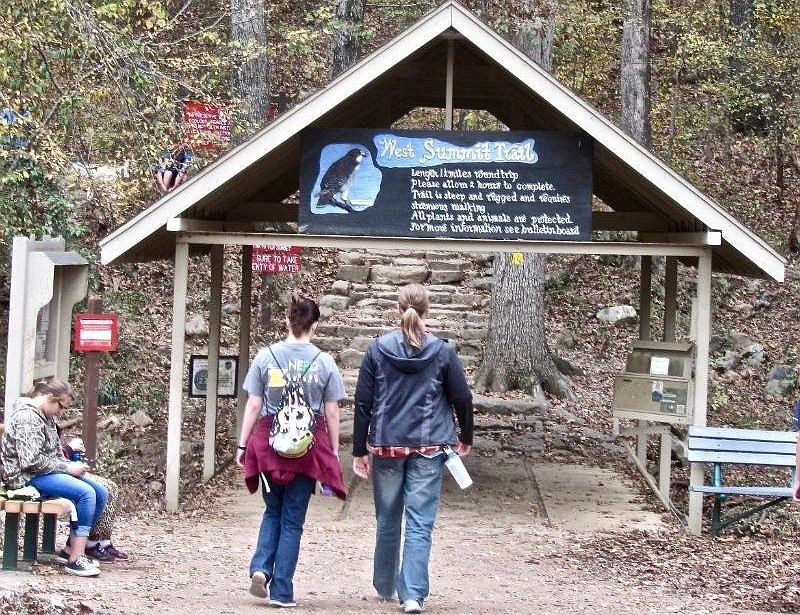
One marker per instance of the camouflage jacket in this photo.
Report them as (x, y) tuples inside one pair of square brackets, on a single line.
[(31, 445)]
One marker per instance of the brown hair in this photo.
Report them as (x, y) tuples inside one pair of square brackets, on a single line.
[(302, 312), (52, 386), (414, 303)]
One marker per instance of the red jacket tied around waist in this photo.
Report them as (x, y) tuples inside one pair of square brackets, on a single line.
[(319, 463)]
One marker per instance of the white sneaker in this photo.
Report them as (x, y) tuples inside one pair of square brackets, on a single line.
[(412, 606), (62, 557), (259, 586), (82, 567)]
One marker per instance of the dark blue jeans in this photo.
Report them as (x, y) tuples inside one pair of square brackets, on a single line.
[(279, 535), (89, 497)]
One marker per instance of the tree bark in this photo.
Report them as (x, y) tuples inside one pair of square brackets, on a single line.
[(635, 71), (249, 83), (516, 355), (346, 44), (249, 69)]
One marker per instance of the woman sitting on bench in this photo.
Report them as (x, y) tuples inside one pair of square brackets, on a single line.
[(32, 455)]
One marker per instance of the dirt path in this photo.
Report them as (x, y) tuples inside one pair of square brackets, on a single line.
[(494, 552)]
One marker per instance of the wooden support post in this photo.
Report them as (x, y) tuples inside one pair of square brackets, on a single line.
[(175, 419), (244, 335), (448, 94), (641, 444), (645, 303), (645, 284), (665, 464), (214, 318), (31, 538), (48, 534), (670, 298), (11, 535), (702, 330), (91, 388)]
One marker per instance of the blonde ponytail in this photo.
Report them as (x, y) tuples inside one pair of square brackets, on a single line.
[(414, 304)]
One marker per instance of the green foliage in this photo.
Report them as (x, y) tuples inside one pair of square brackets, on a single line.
[(586, 53), (109, 461), (763, 88), (108, 395), (719, 398), (148, 397), (31, 203)]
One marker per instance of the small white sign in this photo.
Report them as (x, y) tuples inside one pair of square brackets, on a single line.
[(659, 366)]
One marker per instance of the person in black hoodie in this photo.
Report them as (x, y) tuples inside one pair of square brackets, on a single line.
[(410, 393)]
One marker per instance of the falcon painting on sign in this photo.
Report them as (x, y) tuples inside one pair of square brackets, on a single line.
[(338, 179), (348, 182)]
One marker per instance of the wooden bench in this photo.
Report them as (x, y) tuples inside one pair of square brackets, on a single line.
[(43, 513), (725, 445)]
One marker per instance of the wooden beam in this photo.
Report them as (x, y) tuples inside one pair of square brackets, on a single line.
[(240, 219), (707, 238), (457, 245)]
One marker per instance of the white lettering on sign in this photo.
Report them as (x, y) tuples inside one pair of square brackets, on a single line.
[(276, 259)]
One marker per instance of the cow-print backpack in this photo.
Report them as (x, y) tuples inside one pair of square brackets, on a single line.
[(292, 432)]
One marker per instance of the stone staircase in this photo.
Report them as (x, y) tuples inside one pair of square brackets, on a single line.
[(362, 302)]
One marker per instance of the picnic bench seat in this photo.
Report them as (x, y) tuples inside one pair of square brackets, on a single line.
[(44, 513), (726, 445)]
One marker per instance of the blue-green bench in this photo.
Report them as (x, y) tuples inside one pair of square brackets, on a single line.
[(37, 514), (721, 446)]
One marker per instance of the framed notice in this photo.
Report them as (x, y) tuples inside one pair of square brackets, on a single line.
[(227, 379), (410, 183)]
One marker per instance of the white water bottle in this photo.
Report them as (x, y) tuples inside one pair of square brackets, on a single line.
[(457, 468)]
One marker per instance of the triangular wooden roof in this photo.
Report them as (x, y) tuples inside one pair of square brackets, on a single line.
[(249, 183)]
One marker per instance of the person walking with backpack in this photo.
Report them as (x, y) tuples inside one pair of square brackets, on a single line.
[(289, 441), (411, 390)]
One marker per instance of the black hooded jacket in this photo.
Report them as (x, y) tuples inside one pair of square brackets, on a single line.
[(408, 397)]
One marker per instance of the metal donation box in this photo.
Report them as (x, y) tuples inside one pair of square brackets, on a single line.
[(657, 384)]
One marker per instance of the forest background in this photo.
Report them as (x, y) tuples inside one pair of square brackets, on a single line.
[(93, 92)]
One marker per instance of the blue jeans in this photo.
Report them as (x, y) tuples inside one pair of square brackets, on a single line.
[(412, 484), (279, 535), (89, 496)]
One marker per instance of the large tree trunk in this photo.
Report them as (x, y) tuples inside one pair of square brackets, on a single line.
[(250, 99), (635, 71), (516, 355), (346, 44), (249, 69)]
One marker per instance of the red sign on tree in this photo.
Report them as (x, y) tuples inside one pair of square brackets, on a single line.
[(276, 259), (206, 126)]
